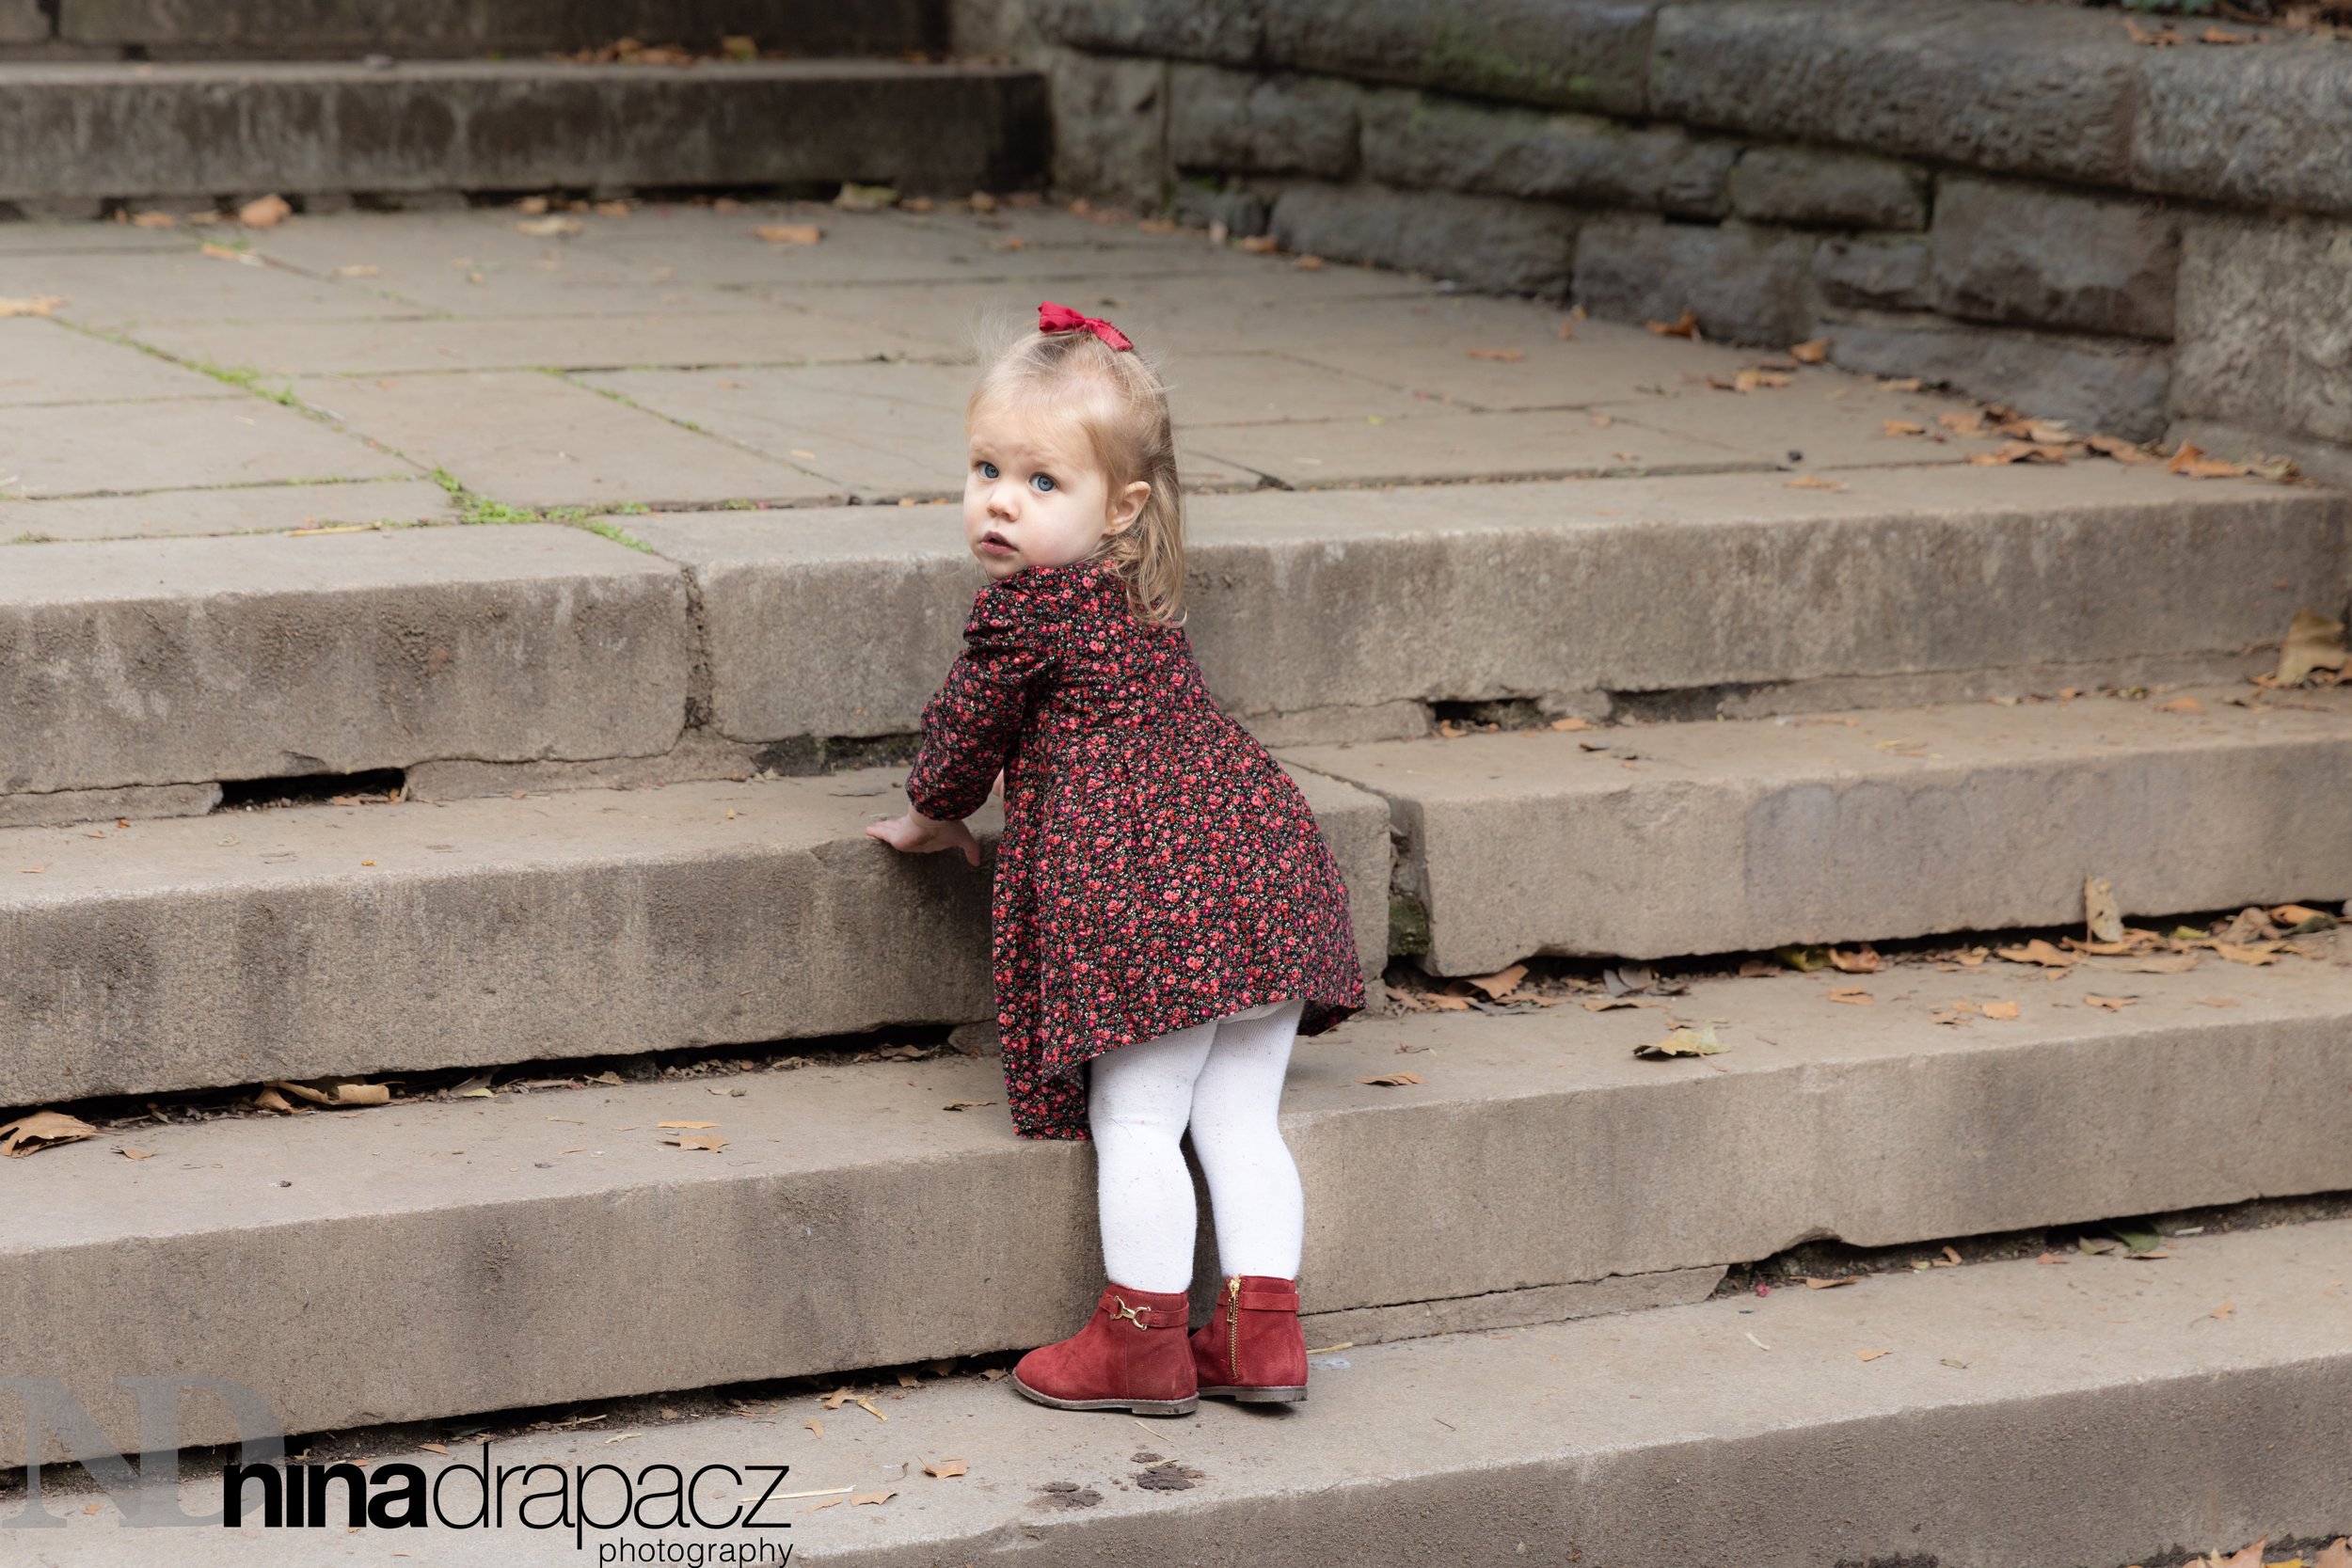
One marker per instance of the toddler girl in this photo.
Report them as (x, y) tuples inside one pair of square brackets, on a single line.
[(1165, 915)]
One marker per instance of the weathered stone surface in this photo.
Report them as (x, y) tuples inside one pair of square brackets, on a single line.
[(1226, 31), (1834, 190), (197, 129), (48, 362), (1244, 124), (532, 439), (1523, 590), (1111, 127), (1872, 271), (1734, 836), (2005, 252), (1244, 212), (2329, 461), (2261, 126), (174, 955), (1569, 54), (1436, 142), (254, 509), (260, 29), (1750, 285), (22, 22), (823, 1252), (2044, 90), (2266, 324), (61, 450), (1483, 242), (2115, 386), (181, 660)]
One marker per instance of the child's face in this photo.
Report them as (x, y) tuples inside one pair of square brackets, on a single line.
[(1034, 496)]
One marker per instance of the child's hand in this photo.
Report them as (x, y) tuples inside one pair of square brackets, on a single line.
[(917, 834)]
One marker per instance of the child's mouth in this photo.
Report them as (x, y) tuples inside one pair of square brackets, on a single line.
[(994, 544)]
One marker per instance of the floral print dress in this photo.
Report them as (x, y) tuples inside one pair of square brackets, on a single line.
[(1157, 869)]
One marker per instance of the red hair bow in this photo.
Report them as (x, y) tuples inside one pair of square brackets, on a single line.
[(1061, 318)]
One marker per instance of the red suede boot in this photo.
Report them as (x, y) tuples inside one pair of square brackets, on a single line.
[(1131, 1355), (1252, 1348)]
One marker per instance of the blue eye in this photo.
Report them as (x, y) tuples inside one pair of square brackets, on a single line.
[(1042, 483), (988, 469)]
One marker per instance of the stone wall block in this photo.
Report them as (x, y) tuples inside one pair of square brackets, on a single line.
[(1243, 211), (1877, 271), (2266, 324), (1236, 121), (1479, 241), (1832, 190), (2248, 126), (2020, 254), (22, 22), (1110, 127), (2042, 89), (1750, 285), (2108, 385), (1435, 141), (1227, 32), (1563, 53)]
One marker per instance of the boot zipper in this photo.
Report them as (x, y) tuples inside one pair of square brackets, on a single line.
[(1232, 1325)]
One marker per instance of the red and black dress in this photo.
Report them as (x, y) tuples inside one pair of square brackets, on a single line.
[(1157, 870)]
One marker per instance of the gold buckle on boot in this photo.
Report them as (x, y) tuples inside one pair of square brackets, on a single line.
[(1130, 1314)]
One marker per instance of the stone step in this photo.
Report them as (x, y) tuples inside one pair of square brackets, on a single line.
[(2007, 1413), (459, 1256), (290, 942), (328, 128), (1322, 615), (442, 29), (1648, 841)]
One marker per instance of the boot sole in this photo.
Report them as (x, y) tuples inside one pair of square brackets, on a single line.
[(1140, 1407), (1257, 1396)]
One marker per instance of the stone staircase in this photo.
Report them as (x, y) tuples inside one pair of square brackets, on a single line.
[(636, 761), (164, 104)]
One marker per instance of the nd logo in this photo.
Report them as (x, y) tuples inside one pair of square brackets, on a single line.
[(148, 1493)]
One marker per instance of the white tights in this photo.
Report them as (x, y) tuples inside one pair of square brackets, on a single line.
[(1225, 1079)]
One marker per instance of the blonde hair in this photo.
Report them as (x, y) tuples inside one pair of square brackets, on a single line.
[(1118, 400)]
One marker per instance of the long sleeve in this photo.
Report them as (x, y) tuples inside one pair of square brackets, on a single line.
[(973, 723)]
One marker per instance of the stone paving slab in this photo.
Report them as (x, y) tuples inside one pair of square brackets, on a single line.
[(193, 660), (183, 284), (68, 449), (1654, 841), (1818, 422), (1353, 599), (257, 509), (243, 947), (584, 342), (550, 1230), (1307, 456), (47, 362), (539, 440)]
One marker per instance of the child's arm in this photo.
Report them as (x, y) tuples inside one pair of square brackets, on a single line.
[(972, 723)]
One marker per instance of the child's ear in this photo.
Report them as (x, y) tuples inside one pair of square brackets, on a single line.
[(1126, 506)]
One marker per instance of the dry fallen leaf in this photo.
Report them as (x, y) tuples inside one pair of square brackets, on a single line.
[(267, 211), (1872, 1355), (1502, 983), (229, 253), (705, 1143), (1572, 723), (1812, 1282), (1686, 326), (1813, 351), (547, 228), (2313, 642), (137, 1153), (40, 305), (1814, 481), (29, 1134), (2039, 952), (1964, 422), (2181, 705), (789, 234), (1852, 996), (857, 1498), (270, 1100), (1505, 355), (1863, 959), (1309, 263), (339, 1092), (2254, 954), (1683, 1042), (1257, 245), (1999, 1009), (686, 1126), (1902, 427), (943, 1468), (155, 220), (2112, 1004), (814, 1425), (1393, 1079), (2192, 462)]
